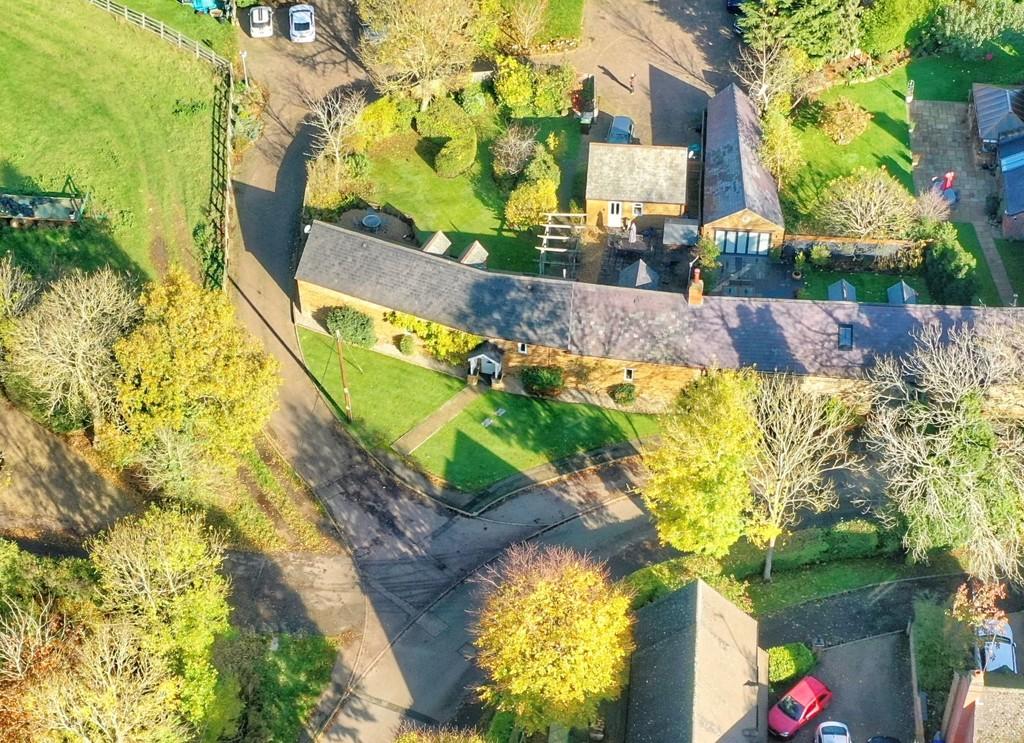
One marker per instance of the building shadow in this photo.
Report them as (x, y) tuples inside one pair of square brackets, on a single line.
[(677, 109)]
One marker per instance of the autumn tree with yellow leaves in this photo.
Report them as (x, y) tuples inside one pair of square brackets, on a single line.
[(554, 636)]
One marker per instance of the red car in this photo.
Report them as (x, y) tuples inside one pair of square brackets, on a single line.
[(798, 707)]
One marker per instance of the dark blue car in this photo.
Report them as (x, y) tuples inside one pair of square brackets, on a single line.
[(621, 131)]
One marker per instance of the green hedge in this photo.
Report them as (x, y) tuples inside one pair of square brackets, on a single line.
[(352, 326), (654, 581), (546, 381), (787, 662), (456, 156), (449, 125)]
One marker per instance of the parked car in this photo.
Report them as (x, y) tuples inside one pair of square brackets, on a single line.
[(301, 24), (832, 732), (261, 22), (734, 6), (998, 651), (798, 707), (621, 131), (883, 739)]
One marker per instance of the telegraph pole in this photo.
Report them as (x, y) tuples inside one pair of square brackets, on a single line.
[(344, 378)]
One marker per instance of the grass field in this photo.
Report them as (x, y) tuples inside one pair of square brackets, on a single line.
[(126, 116), (220, 36), (987, 292), (948, 78), (886, 143), (466, 208), (528, 433), (871, 287), (564, 20), (1012, 254), (389, 395)]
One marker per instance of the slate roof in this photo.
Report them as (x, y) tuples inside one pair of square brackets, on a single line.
[(636, 172), (999, 712), (798, 336), (488, 349), (901, 293), (842, 291), (694, 674), (734, 177), (638, 274), (999, 112), (1013, 191)]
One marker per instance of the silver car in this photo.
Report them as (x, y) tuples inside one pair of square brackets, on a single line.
[(998, 651), (261, 22), (832, 732), (301, 24)]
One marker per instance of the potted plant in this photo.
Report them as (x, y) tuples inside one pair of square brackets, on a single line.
[(799, 264)]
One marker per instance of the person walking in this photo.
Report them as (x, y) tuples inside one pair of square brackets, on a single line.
[(632, 81)]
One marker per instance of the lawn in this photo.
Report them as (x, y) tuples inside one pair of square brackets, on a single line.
[(871, 287), (946, 77), (987, 292), (528, 433), (126, 116), (469, 207), (886, 143), (221, 36), (389, 396), (564, 20), (1012, 254)]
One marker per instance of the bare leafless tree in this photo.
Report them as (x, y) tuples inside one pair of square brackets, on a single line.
[(804, 437), (955, 470), (932, 206), (768, 72), (868, 203), (17, 289), (513, 149), (333, 118), (523, 24), (26, 632), (64, 345), (113, 691), (423, 44)]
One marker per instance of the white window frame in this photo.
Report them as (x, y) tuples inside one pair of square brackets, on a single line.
[(629, 374), (522, 348), (638, 209)]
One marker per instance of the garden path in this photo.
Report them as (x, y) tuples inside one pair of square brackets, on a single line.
[(995, 261), (414, 437)]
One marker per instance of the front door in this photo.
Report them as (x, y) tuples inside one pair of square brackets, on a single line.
[(615, 214)]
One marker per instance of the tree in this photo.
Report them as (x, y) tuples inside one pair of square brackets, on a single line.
[(955, 469), (889, 24), (513, 149), (424, 43), (949, 269), (781, 148), (967, 27), (523, 23), (114, 691), (334, 119), (160, 573), (17, 291), (698, 491), (822, 29), (27, 633), (553, 636), (189, 367), (804, 437), (529, 202), (351, 326), (176, 464), (976, 602), (771, 73), (63, 347), (411, 734), (867, 203)]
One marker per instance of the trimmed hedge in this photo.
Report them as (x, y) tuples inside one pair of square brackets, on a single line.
[(456, 156), (545, 381), (406, 345), (352, 326), (654, 581), (446, 120), (623, 393), (787, 662)]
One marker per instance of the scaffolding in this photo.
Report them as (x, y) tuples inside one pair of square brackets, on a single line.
[(560, 244)]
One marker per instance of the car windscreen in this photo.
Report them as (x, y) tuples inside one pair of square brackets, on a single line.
[(833, 730), (791, 708), (302, 24)]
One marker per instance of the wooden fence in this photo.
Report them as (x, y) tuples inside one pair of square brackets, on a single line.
[(214, 266)]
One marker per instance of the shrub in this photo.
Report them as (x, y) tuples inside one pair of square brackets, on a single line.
[(351, 326), (708, 253), (543, 167), (821, 256), (941, 645), (529, 202), (932, 207), (553, 91), (654, 581), (545, 381), (843, 120), (890, 25), (445, 119), (949, 270), (378, 121), (867, 203), (474, 99), (623, 393), (790, 661), (406, 345), (443, 343), (514, 86), (456, 156), (331, 188), (781, 149)]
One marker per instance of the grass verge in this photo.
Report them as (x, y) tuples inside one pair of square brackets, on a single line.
[(562, 20), (389, 396), (125, 115), (305, 533), (1012, 254), (500, 434), (871, 287), (219, 35), (987, 292), (941, 647)]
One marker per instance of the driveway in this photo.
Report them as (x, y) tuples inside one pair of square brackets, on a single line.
[(870, 683), (679, 50)]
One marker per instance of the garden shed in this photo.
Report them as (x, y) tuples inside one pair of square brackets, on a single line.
[(634, 182), (741, 209), (998, 114), (487, 360)]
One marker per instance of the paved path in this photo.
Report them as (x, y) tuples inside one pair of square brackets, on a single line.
[(995, 261), (412, 439)]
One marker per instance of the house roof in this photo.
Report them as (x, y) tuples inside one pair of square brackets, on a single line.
[(799, 336), (694, 675), (842, 291), (999, 112), (636, 172), (734, 176), (638, 274), (1013, 191), (488, 349), (901, 293)]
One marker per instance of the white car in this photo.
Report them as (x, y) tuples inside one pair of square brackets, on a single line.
[(832, 732), (301, 24), (261, 22), (998, 651)]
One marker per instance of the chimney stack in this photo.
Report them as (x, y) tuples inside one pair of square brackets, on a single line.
[(696, 297)]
